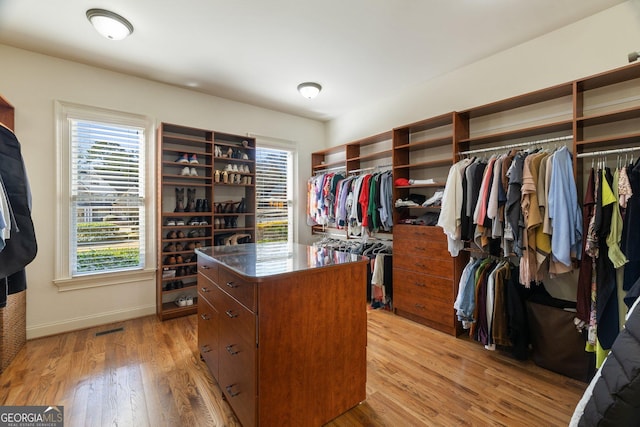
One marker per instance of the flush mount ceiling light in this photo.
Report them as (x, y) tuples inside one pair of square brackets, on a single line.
[(633, 56), (109, 24), (309, 89)]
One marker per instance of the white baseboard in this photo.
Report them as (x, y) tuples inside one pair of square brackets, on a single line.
[(42, 330)]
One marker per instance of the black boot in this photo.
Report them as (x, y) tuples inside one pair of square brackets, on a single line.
[(205, 205), (242, 207), (179, 200), (199, 205)]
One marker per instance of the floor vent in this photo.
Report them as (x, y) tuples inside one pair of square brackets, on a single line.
[(110, 331)]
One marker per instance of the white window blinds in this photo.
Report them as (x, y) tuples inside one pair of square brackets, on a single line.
[(273, 188), (107, 197)]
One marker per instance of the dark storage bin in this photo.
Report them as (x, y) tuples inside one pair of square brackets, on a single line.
[(556, 343)]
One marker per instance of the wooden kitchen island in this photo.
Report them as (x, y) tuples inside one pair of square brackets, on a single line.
[(283, 329)]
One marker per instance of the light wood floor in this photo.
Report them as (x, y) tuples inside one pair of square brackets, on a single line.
[(150, 374)]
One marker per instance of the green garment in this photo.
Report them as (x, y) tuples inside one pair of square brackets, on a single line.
[(615, 233)]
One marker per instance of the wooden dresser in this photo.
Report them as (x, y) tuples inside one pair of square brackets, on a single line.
[(425, 277), (283, 330)]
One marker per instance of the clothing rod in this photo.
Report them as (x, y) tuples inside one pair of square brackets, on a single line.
[(605, 152), (335, 168), (521, 144), (369, 168)]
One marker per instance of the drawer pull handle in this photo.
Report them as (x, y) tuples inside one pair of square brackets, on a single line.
[(205, 267), (420, 306), (230, 349), (204, 317), (232, 285), (419, 284), (205, 290), (420, 248), (421, 266), (229, 389), (206, 348), (231, 314)]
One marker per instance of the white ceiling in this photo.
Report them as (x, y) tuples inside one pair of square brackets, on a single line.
[(257, 51)]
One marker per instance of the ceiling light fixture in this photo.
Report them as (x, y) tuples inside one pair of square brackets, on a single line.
[(109, 24), (309, 89), (633, 56)]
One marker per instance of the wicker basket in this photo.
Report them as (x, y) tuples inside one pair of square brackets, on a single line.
[(13, 328)]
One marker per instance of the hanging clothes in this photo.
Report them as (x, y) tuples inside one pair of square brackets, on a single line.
[(606, 299), (630, 243), (583, 298), (20, 247), (518, 203)]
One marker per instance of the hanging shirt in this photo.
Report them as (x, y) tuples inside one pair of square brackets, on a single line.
[(564, 212), (450, 214), (615, 234)]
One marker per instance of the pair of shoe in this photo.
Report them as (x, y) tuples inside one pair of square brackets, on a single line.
[(197, 233), (217, 151), (186, 171), (196, 220), (174, 222), (175, 284), (202, 205), (191, 246), (173, 235), (238, 154), (184, 301), (186, 158)]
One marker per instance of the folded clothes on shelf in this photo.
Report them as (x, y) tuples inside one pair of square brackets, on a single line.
[(405, 203), (434, 200)]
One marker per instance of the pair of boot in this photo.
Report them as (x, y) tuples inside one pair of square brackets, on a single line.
[(226, 222), (192, 205), (231, 207)]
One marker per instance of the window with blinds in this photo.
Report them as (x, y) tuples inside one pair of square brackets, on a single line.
[(107, 197), (273, 195)]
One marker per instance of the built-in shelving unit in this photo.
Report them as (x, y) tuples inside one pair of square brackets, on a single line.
[(600, 112), (190, 188)]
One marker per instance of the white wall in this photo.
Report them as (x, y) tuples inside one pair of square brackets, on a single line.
[(595, 44), (31, 83)]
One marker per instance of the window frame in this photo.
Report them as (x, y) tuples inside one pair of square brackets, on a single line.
[(63, 279)]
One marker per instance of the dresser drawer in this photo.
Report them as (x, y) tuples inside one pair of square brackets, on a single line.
[(238, 380), (423, 288), (433, 265), (206, 289), (240, 289), (238, 354), (209, 268), (238, 321), (420, 240), (208, 335), (433, 309)]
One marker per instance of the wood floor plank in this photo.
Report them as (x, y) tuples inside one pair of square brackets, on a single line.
[(150, 374)]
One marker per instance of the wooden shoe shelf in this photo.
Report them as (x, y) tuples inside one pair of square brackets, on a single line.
[(187, 161)]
